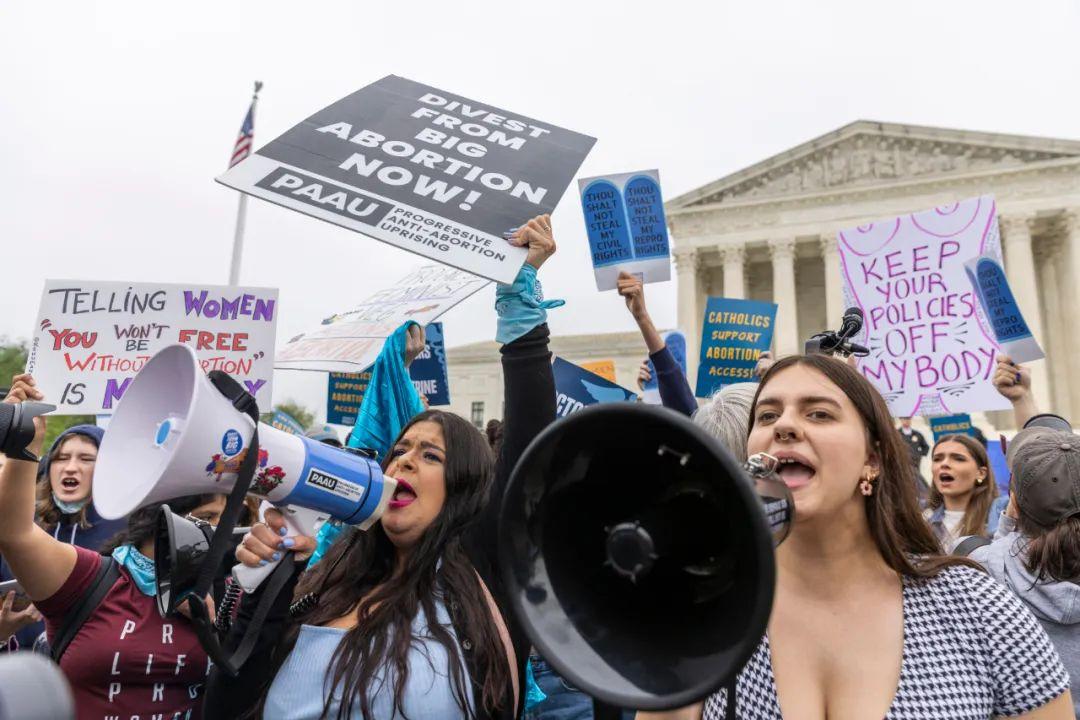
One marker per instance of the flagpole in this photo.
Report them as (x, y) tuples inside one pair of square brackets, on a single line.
[(241, 214)]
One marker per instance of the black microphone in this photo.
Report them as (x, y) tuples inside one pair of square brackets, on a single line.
[(851, 324)]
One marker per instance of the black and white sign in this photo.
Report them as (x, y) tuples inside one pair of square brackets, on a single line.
[(420, 168)]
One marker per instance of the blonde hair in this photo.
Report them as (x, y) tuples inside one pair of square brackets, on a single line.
[(726, 416)]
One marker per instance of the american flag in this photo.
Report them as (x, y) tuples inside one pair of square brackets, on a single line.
[(247, 132)]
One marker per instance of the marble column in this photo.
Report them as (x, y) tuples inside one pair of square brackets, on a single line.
[(1020, 268), (734, 271), (834, 284), (1069, 287), (786, 337), (687, 264), (1054, 337)]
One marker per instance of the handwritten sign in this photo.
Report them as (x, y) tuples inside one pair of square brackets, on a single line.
[(959, 424), (422, 169), (603, 368), (676, 345), (624, 217), (931, 348), (350, 341), (1001, 309), (428, 372), (576, 387), (91, 337), (734, 335)]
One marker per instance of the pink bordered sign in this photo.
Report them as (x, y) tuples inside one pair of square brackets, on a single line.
[(931, 348)]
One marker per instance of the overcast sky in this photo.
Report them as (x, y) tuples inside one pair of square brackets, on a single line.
[(116, 116)]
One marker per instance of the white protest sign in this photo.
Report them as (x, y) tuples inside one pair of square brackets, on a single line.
[(350, 341), (931, 349), (624, 219), (91, 337), (425, 170)]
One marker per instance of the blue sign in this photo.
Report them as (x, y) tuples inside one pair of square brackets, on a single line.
[(999, 466), (951, 425), (428, 370), (345, 392), (624, 219), (576, 387), (344, 395), (1002, 310), (733, 336), (676, 345), (287, 423)]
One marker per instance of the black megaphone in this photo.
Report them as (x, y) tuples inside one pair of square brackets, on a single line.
[(638, 554)]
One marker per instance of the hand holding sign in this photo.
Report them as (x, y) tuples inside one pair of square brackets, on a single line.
[(1011, 380), (632, 289), (414, 343), (535, 235)]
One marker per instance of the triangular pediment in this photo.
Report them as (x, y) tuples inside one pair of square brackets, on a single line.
[(869, 153)]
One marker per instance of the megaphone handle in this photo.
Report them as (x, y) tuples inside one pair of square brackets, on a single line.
[(251, 577)]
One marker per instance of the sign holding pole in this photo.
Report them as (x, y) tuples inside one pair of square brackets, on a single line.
[(422, 169)]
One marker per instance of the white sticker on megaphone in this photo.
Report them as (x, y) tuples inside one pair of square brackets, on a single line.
[(336, 485)]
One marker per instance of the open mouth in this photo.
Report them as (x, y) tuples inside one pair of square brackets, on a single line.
[(945, 478), (403, 495), (794, 471), (69, 483)]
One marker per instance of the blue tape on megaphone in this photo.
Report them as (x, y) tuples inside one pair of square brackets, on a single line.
[(345, 486)]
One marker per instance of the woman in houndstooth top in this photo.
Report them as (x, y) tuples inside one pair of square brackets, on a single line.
[(869, 620)]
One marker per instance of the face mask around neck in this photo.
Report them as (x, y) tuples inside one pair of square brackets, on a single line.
[(70, 508)]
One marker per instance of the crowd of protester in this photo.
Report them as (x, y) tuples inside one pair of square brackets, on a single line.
[(894, 597)]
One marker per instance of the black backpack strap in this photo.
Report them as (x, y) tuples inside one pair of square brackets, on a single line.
[(107, 575), (968, 544)]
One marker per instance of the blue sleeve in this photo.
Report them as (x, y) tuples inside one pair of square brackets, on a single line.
[(675, 392)]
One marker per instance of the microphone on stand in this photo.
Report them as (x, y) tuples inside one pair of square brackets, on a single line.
[(839, 343)]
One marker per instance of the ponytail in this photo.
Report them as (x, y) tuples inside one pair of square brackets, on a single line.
[(1054, 554)]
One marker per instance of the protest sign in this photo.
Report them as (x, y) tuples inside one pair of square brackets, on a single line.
[(930, 348), (998, 465), (734, 335), (350, 341), (603, 368), (417, 167), (624, 217), (676, 345), (951, 425), (344, 396), (287, 423), (576, 387), (428, 373), (1001, 309), (91, 338)]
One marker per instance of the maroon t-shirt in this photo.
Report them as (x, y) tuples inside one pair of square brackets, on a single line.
[(127, 662)]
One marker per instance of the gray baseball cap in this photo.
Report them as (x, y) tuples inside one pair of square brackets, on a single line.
[(1044, 459)]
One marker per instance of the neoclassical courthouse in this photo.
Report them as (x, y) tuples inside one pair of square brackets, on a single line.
[(768, 232)]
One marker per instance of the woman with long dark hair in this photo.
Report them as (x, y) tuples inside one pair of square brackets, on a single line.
[(408, 619), (963, 489), (869, 619)]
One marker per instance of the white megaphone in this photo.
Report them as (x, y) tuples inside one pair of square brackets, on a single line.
[(174, 433)]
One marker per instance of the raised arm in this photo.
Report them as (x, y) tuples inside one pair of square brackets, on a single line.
[(1014, 382), (528, 383), (675, 392), (40, 563)]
